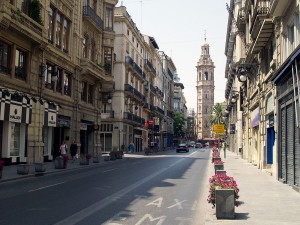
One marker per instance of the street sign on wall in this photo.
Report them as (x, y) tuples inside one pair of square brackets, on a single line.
[(219, 128)]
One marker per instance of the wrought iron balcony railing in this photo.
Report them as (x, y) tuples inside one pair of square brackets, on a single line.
[(150, 66), (90, 13)]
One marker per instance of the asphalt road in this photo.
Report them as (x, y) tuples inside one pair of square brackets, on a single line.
[(165, 189)]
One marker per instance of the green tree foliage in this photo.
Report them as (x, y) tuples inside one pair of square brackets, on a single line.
[(217, 116), (35, 8), (179, 121)]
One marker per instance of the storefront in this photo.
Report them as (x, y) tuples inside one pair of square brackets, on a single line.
[(50, 123), (86, 136), (61, 133), (15, 115), (288, 107)]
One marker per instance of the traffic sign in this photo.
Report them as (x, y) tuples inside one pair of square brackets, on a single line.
[(219, 128)]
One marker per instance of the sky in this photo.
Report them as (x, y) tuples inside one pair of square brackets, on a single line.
[(179, 28)]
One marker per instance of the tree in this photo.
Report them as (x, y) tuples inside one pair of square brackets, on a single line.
[(179, 121), (217, 115)]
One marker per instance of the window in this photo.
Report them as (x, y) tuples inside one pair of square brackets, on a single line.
[(205, 75), (59, 80), (50, 26), (84, 47), (65, 36), (93, 51), (15, 139), (107, 59), (47, 75), (58, 30), (20, 65), (61, 33), (4, 58), (67, 84), (84, 91), (90, 94), (109, 18)]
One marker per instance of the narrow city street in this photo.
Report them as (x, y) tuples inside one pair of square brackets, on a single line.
[(155, 189)]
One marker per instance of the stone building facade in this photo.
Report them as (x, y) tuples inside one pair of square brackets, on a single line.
[(53, 68)]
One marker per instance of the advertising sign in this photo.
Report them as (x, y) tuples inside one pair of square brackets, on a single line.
[(219, 128)]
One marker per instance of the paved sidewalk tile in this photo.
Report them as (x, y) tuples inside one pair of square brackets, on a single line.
[(264, 200)]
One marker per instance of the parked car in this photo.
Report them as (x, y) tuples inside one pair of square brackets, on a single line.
[(198, 145), (182, 147), (192, 144)]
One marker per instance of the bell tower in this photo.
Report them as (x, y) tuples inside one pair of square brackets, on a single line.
[(205, 92)]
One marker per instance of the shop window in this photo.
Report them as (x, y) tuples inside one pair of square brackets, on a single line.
[(20, 65), (5, 58), (15, 139)]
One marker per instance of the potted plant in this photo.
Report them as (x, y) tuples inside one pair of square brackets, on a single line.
[(223, 195), (61, 162), (215, 156), (119, 154), (85, 159), (1, 167), (113, 155), (219, 165)]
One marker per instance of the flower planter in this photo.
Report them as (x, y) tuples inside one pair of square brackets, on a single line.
[(23, 169), (40, 167), (216, 158), (215, 150), (220, 171), (96, 159), (225, 203), (219, 167), (84, 161), (106, 158), (59, 163)]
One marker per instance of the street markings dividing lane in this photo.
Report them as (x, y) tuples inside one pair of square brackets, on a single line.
[(37, 189)]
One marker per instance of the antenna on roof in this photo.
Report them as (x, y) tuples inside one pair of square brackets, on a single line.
[(204, 35)]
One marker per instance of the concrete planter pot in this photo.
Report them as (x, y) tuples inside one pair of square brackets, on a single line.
[(220, 171), (96, 159), (225, 203), (23, 169), (84, 161), (215, 158), (59, 163), (216, 150), (106, 158), (40, 167), (219, 167)]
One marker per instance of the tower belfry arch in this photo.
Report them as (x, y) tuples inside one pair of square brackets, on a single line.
[(205, 92)]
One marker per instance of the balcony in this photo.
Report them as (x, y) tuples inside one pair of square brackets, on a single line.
[(134, 118), (135, 68), (89, 67), (170, 74), (107, 114), (261, 12), (92, 17), (153, 89), (12, 18), (160, 111), (149, 66), (134, 93)]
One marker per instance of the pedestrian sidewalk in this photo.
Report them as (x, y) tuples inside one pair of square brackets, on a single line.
[(264, 200)]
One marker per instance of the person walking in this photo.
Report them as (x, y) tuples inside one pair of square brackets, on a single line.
[(73, 149), (131, 147), (63, 149)]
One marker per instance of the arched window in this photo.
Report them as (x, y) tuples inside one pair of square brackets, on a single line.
[(205, 75)]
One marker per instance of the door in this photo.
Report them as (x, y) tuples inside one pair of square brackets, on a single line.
[(270, 144), (290, 143), (282, 150)]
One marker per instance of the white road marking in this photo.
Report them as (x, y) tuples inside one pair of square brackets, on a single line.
[(86, 212), (105, 171), (149, 216), (184, 221), (156, 202), (46, 187), (178, 204)]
